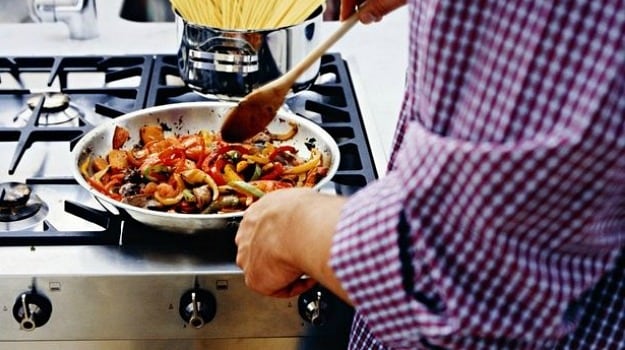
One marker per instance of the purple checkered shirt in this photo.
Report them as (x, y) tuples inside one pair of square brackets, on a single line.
[(500, 221)]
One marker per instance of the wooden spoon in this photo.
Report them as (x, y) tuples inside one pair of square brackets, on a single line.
[(256, 110)]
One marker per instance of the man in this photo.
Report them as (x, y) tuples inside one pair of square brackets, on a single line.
[(504, 203)]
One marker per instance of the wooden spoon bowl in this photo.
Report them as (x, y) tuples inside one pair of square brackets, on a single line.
[(256, 110)]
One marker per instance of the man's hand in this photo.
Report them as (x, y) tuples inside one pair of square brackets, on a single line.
[(369, 11), (284, 237)]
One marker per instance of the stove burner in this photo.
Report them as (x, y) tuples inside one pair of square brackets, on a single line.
[(19, 208), (56, 110), (55, 102)]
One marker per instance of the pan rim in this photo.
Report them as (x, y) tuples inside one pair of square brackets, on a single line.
[(80, 148)]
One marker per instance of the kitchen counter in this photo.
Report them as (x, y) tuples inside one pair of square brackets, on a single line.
[(376, 55)]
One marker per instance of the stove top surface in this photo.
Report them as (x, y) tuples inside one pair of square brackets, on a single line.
[(63, 251), (37, 135)]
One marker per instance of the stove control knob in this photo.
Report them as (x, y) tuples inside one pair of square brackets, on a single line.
[(313, 306), (197, 307), (32, 310)]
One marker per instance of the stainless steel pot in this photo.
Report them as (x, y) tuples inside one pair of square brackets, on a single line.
[(232, 63), (185, 118)]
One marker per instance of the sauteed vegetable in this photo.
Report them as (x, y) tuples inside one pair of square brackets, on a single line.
[(199, 173)]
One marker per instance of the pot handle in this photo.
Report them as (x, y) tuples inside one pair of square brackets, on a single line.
[(223, 54)]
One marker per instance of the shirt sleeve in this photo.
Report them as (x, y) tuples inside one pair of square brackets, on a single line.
[(505, 200), (492, 239)]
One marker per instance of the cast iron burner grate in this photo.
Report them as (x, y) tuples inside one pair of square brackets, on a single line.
[(31, 76), (128, 83)]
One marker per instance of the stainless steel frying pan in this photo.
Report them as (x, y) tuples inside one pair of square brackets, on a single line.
[(184, 118)]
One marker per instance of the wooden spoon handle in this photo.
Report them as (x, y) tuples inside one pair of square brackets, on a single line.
[(318, 51)]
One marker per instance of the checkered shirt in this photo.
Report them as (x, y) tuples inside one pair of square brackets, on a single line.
[(500, 220)]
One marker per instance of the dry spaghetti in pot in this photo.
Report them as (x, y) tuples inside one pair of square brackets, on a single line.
[(246, 14), (199, 173)]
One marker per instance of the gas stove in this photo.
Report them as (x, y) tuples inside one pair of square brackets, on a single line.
[(74, 271)]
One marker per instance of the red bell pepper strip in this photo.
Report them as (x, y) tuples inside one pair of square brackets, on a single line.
[(275, 172), (209, 165), (281, 150), (102, 189), (217, 176), (171, 155)]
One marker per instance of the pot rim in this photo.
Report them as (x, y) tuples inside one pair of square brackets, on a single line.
[(313, 17)]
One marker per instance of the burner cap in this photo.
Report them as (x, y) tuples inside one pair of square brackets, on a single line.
[(16, 203), (57, 109), (55, 102), (13, 194)]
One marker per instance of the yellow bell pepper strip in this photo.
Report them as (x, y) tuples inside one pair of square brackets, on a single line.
[(241, 166), (311, 163), (207, 136), (246, 188), (256, 158), (230, 174), (168, 201), (85, 166), (197, 176), (267, 149)]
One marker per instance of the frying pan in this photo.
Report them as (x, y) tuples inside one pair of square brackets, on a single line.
[(185, 118)]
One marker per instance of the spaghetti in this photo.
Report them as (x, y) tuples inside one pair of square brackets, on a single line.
[(246, 14)]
